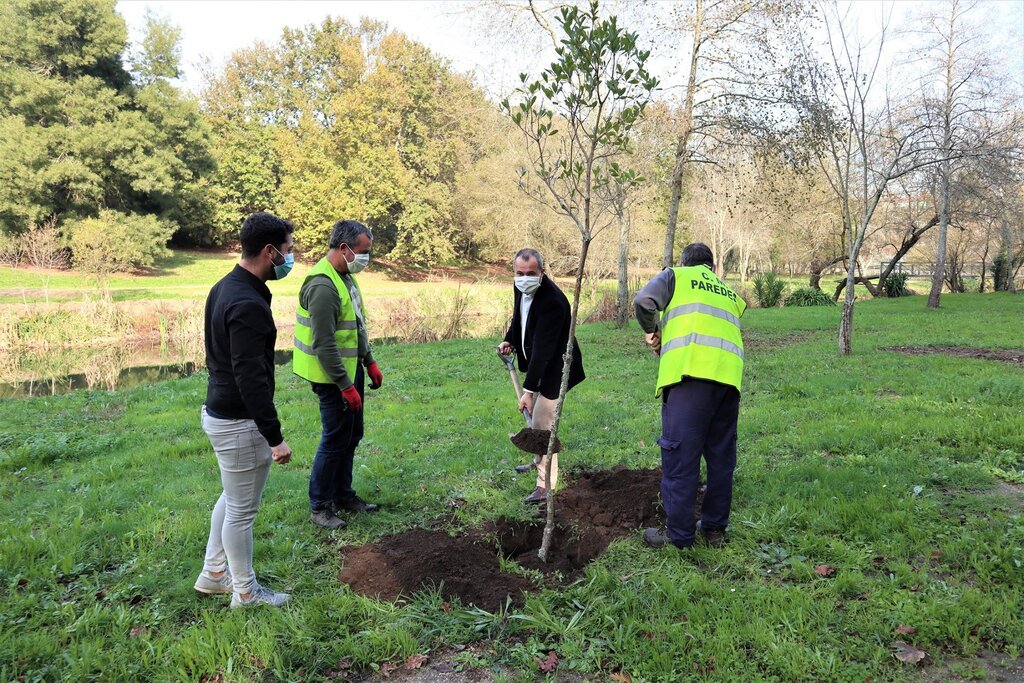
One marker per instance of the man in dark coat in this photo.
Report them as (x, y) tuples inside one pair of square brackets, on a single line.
[(538, 335)]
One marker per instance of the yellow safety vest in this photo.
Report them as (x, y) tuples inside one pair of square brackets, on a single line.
[(305, 364), (700, 330)]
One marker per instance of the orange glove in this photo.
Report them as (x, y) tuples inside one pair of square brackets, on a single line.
[(352, 398)]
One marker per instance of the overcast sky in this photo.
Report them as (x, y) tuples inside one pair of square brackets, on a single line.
[(214, 29)]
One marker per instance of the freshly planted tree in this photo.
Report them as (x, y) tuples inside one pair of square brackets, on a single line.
[(575, 117)]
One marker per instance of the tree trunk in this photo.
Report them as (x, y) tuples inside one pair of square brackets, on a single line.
[(939, 276), (682, 147), (907, 244), (549, 526), (873, 289), (846, 323), (817, 268), (622, 299), (668, 256)]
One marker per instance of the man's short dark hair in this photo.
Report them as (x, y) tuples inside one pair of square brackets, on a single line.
[(261, 229), (347, 232), (526, 254), (698, 254)]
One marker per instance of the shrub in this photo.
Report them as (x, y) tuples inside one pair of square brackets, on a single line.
[(1001, 275), (768, 289), (895, 284), (116, 241), (809, 296)]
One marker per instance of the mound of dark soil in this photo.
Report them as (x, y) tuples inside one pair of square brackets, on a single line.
[(597, 508), (1004, 355)]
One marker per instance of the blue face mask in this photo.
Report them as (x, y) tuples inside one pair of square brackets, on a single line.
[(281, 271)]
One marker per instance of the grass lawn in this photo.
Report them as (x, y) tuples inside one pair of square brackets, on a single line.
[(901, 472), (189, 274)]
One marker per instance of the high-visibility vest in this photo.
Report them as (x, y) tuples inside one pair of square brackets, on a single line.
[(305, 364), (700, 330)]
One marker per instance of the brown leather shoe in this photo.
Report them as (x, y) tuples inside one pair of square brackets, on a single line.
[(539, 495)]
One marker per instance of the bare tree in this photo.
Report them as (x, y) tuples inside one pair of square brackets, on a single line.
[(729, 50), (867, 146), (958, 93)]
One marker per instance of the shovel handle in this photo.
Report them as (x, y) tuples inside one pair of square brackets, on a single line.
[(507, 360)]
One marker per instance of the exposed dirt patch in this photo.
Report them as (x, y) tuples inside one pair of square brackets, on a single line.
[(597, 508), (463, 566), (1005, 355), (756, 343), (985, 666)]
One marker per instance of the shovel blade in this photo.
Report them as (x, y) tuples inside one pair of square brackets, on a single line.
[(535, 441)]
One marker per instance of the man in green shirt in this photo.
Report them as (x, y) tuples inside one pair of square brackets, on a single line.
[(331, 351)]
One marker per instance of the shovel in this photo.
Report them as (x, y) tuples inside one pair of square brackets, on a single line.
[(531, 440)]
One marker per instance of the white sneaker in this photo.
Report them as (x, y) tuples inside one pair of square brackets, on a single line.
[(260, 596), (213, 585)]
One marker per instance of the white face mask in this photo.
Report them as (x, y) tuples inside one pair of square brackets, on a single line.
[(528, 284), (358, 263)]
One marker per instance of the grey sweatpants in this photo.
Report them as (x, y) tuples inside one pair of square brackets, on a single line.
[(243, 456)]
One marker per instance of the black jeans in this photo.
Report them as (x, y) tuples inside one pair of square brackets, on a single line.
[(697, 417), (330, 481)]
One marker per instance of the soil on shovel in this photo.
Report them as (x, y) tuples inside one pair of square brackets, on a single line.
[(597, 508), (1005, 355)]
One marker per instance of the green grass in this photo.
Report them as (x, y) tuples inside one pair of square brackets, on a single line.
[(187, 274), (881, 465)]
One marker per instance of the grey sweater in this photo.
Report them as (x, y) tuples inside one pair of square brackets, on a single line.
[(653, 299)]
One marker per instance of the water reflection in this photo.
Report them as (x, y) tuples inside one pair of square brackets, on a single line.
[(115, 367)]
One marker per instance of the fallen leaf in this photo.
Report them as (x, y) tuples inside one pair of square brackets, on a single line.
[(22, 582), (625, 577), (387, 667), (340, 670), (446, 608), (456, 503), (642, 444), (138, 631), (549, 663), (908, 654), (936, 555), (415, 662), (905, 630), (824, 570), (101, 593), (621, 677)]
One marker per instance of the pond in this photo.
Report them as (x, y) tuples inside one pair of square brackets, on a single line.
[(126, 372)]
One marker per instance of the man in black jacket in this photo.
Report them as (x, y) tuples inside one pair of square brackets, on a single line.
[(239, 415), (538, 335)]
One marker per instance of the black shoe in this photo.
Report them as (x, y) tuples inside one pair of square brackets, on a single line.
[(523, 469), (539, 495), (657, 538), (713, 537), (356, 504)]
